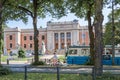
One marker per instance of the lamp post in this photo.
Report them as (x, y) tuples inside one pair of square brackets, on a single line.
[(113, 34)]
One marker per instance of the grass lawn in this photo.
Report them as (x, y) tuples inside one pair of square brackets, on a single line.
[(44, 76), (4, 58), (49, 76)]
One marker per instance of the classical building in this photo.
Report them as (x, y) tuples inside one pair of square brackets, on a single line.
[(56, 36)]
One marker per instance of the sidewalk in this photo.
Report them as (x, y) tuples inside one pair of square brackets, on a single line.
[(15, 63)]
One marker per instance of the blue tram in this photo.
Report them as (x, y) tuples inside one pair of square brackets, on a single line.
[(80, 55)]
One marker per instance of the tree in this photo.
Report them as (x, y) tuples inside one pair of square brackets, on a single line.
[(8, 11), (108, 33), (116, 15), (112, 18), (40, 8), (21, 53), (85, 8), (2, 2), (98, 36)]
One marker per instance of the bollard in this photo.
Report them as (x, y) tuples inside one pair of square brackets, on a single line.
[(32, 60), (58, 73), (25, 73), (7, 61)]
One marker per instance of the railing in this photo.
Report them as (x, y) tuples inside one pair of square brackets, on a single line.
[(89, 70)]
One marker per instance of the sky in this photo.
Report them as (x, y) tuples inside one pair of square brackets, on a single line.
[(43, 22)]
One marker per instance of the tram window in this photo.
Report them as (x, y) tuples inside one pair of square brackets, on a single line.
[(106, 57), (118, 50), (73, 52)]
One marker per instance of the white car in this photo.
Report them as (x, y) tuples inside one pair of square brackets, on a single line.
[(28, 54)]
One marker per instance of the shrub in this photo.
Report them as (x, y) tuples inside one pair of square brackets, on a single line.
[(89, 63), (4, 71), (62, 58), (21, 53), (38, 63), (0, 65)]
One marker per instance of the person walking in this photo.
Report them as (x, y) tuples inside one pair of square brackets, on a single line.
[(54, 59)]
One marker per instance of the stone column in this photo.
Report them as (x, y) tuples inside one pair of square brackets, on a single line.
[(65, 45), (59, 47)]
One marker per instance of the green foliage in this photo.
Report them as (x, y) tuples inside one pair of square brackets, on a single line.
[(80, 7), (38, 63), (116, 15), (89, 62), (62, 58), (108, 33), (4, 71), (21, 53)]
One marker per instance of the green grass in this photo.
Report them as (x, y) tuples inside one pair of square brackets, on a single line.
[(4, 58), (45, 76), (49, 76), (61, 58)]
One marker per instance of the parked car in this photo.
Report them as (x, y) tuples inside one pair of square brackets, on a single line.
[(29, 54)]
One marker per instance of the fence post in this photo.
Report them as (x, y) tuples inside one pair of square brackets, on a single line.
[(58, 73), (7, 61), (32, 60), (25, 72), (93, 74)]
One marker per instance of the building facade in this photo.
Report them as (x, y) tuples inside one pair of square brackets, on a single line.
[(56, 36)]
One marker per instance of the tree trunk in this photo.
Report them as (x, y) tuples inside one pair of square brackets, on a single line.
[(91, 37), (98, 37), (113, 35), (0, 30), (36, 32)]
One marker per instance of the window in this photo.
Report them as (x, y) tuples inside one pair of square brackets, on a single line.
[(62, 35), (68, 35), (30, 37), (43, 37), (83, 35), (56, 36), (106, 57), (25, 38), (24, 45), (10, 37), (10, 45), (30, 45)]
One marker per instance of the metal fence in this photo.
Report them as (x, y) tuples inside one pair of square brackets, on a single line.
[(88, 70)]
